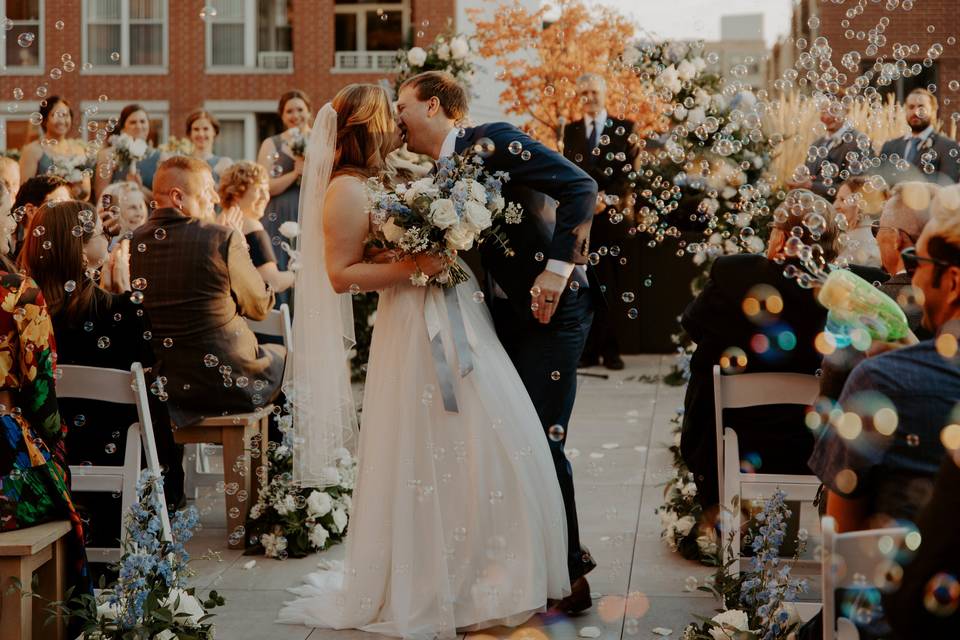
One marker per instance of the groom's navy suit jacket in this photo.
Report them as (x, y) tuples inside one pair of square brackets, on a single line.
[(557, 230)]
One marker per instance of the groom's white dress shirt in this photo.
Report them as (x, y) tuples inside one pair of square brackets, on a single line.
[(559, 267)]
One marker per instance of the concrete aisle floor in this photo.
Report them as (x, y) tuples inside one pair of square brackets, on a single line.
[(618, 445)]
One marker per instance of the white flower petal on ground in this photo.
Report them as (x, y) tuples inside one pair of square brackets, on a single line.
[(661, 631), (589, 632), (249, 565)]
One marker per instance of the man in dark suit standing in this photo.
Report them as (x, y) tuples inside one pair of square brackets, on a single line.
[(922, 154), (604, 147), (833, 158), (540, 295)]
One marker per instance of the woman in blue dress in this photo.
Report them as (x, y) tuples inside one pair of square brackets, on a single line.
[(202, 131), (134, 122), (54, 152)]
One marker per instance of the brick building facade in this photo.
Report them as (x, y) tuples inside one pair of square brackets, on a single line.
[(848, 27), (233, 57)]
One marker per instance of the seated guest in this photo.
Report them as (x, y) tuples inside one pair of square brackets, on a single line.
[(245, 186), (36, 191), (198, 285), (924, 605), (834, 157), (924, 153), (856, 200), (10, 174), (95, 328), (753, 318), (881, 469), (33, 469)]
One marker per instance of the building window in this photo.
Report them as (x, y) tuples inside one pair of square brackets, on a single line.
[(23, 20), (250, 34), (244, 125), (368, 34), (899, 79), (15, 128), (123, 34)]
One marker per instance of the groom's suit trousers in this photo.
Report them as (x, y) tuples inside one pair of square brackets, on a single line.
[(546, 358)]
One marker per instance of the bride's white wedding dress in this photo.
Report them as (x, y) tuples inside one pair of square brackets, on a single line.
[(458, 521)]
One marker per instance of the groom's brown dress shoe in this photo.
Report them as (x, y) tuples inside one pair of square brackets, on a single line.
[(579, 599)]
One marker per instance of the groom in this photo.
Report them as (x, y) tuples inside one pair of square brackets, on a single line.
[(542, 301)]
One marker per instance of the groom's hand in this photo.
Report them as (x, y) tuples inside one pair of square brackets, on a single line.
[(545, 295)]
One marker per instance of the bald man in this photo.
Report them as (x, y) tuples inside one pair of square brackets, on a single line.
[(198, 286)]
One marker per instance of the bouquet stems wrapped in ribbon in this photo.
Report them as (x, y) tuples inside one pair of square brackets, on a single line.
[(854, 304)]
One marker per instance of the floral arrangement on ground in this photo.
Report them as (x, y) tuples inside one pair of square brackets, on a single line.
[(758, 603), (150, 599), (292, 521), (681, 513)]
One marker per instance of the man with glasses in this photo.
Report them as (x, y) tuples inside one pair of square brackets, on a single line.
[(879, 459)]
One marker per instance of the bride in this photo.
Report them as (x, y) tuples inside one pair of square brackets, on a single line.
[(458, 521)]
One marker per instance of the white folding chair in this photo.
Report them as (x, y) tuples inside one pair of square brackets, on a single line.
[(854, 560), (752, 390), (122, 388)]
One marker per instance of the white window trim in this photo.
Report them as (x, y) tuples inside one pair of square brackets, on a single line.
[(249, 48), (124, 68), (39, 43), (246, 111), (156, 110), (361, 12), (22, 114)]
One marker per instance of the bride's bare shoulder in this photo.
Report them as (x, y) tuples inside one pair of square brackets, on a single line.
[(346, 193), (346, 183)]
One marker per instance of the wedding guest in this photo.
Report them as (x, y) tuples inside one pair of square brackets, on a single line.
[(33, 193), (202, 130), (34, 487), (96, 328), (923, 604), (284, 164), (134, 122), (857, 199), (199, 284), (879, 469), (834, 157), (924, 153), (10, 174), (245, 185), (603, 146), (750, 318), (54, 152), (123, 202)]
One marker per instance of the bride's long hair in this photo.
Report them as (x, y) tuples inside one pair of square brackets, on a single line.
[(366, 130)]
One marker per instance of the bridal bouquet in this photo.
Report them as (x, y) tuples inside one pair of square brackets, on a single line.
[(298, 142), (451, 210), (71, 168), (128, 150), (175, 146), (151, 599)]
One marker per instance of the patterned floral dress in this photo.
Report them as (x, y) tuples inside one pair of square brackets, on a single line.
[(34, 487)]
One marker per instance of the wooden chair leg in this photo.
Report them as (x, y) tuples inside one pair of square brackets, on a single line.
[(234, 445), (16, 612), (260, 460), (51, 581)]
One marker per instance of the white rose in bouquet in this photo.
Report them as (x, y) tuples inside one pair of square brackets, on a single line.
[(319, 504), (421, 187), (732, 620), (696, 115), (477, 215), (285, 506), (669, 79), (460, 237), (477, 191), (443, 213), (459, 48), (289, 229), (699, 64), (138, 148), (497, 203), (329, 476), (391, 230), (416, 57), (443, 51), (188, 604), (318, 536), (340, 519), (686, 70)]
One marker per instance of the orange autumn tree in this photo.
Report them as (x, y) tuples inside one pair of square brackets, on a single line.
[(540, 62)]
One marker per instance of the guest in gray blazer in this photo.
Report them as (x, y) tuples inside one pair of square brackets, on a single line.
[(924, 153), (198, 285)]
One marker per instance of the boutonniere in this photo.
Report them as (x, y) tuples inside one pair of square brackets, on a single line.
[(926, 144)]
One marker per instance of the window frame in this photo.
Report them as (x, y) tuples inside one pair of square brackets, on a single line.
[(360, 9), (37, 70), (250, 53), (22, 114), (125, 68), (242, 111)]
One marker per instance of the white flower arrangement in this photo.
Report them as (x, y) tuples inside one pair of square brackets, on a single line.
[(458, 206), (450, 51), (128, 150)]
